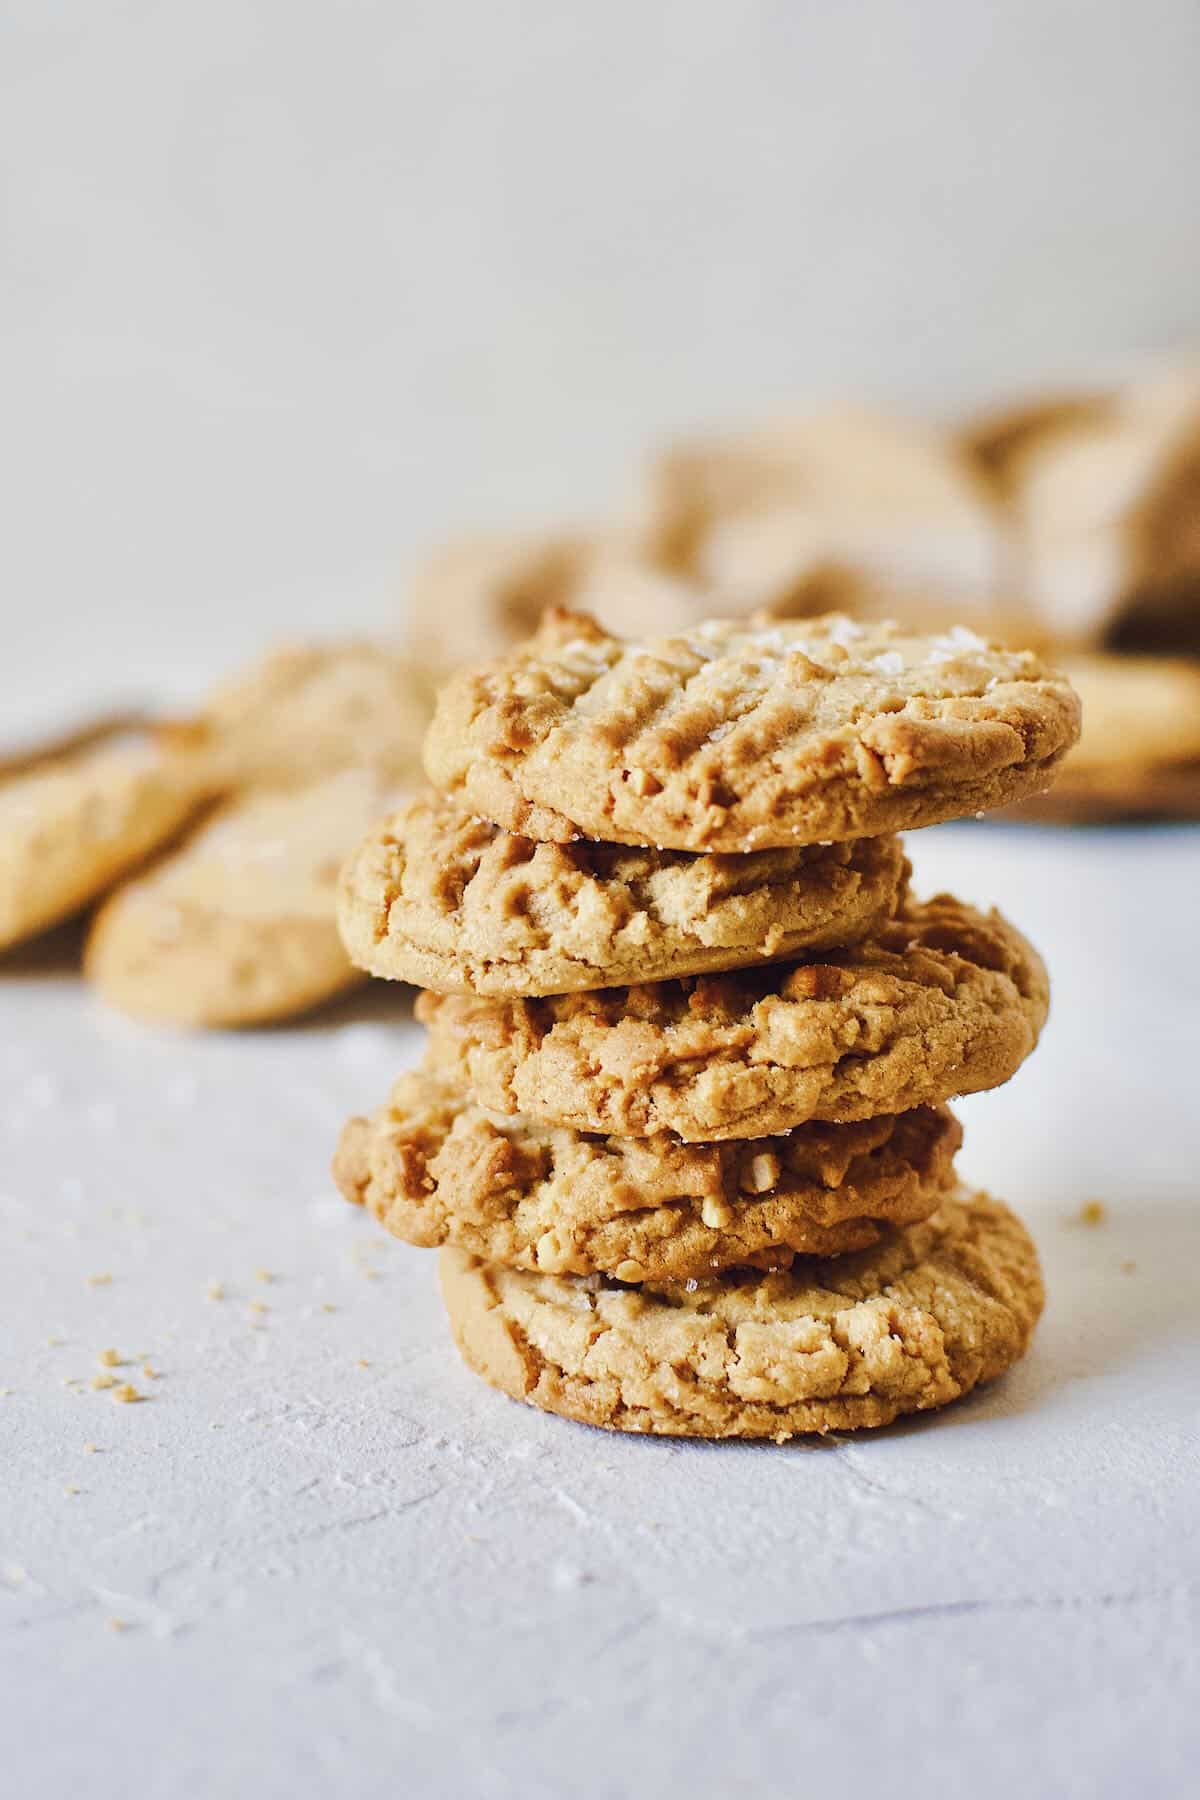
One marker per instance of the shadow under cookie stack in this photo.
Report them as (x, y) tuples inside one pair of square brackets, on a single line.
[(681, 1129)]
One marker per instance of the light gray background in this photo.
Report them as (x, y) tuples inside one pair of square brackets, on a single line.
[(290, 289)]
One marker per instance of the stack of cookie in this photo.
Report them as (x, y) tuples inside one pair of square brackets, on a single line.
[(681, 1128)]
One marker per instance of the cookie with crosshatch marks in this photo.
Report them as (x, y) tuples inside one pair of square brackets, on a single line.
[(435, 1168), (942, 1001), (913, 1323), (447, 901), (737, 737)]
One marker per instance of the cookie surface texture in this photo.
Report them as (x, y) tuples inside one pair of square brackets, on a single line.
[(911, 1324), (435, 1168), (943, 1001), (448, 901), (738, 738)]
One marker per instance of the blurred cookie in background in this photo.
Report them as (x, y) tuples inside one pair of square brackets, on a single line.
[(475, 598), (306, 710), (1139, 752), (828, 510), (239, 925), (1101, 494), (80, 816)]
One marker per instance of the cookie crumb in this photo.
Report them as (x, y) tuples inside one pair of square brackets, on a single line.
[(53, 1343), (127, 1394), (263, 1275), (327, 1306), (259, 1306), (103, 1381), (101, 1280), (214, 1291), (362, 1363), (72, 1489), (151, 1373), (109, 1358), (117, 1624), (1093, 1212), (1129, 1267), (92, 1450)]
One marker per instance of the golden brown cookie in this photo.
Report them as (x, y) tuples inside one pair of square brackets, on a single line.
[(447, 901), (72, 826), (914, 1322), (435, 1168), (308, 710), (763, 518), (239, 925), (1102, 494), (735, 738), (1167, 791), (943, 1001)]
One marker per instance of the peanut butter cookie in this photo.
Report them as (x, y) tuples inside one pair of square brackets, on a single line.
[(448, 901), (736, 738), (942, 1001), (308, 710), (239, 925), (73, 825), (912, 1323), (435, 1168)]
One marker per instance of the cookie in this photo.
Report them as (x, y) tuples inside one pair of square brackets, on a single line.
[(880, 496), (769, 520), (477, 598), (238, 926), (911, 1324), (998, 441), (1102, 493), (1167, 791), (1138, 712), (436, 1168), (72, 826), (448, 901), (309, 710), (942, 1001), (735, 738)]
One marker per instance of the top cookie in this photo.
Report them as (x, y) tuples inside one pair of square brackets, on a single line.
[(736, 738)]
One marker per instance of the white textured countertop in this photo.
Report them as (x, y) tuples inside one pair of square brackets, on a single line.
[(345, 1567)]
